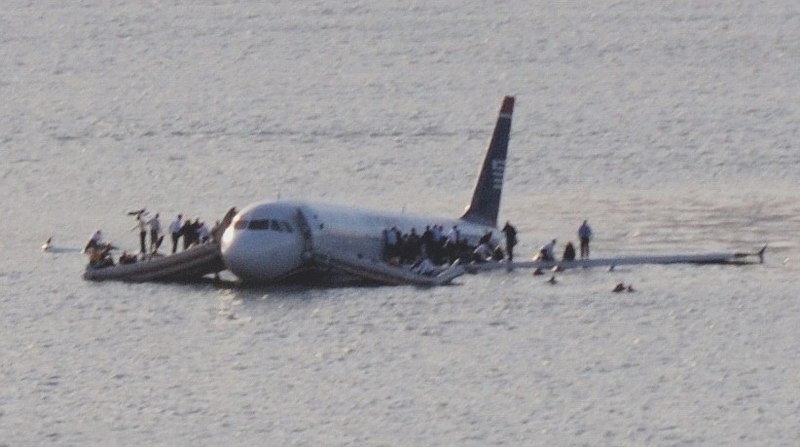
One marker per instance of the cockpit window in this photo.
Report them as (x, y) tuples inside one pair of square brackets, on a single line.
[(259, 224), (240, 224), (266, 224)]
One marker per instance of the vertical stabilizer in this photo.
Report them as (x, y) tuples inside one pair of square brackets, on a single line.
[(485, 203)]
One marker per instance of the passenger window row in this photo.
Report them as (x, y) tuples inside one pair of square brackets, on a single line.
[(264, 224)]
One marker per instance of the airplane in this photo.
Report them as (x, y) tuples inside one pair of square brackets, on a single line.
[(303, 241), (286, 240)]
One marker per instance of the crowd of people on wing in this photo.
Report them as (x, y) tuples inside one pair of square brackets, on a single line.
[(436, 247), (192, 233), (433, 248)]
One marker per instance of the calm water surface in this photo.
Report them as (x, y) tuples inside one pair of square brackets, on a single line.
[(671, 126)]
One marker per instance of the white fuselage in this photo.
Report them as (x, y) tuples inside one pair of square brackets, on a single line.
[(268, 242)]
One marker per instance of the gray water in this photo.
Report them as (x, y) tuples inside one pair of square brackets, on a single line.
[(672, 126)]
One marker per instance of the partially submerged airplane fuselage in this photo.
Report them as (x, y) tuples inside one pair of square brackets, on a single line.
[(272, 241)]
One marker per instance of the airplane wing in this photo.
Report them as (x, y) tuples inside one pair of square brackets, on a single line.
[(381, 272), (724, 258)]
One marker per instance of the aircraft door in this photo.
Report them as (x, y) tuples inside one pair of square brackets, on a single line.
[(305, 231)]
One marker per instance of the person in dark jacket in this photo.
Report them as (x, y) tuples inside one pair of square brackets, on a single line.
[(511, 239), (569, 252), (585, 235)]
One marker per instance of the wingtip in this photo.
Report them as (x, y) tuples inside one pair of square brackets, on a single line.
[(508, 105)]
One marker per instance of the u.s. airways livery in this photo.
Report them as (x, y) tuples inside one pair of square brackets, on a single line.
[(280, 241)]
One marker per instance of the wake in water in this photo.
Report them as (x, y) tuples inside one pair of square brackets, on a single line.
[(48, 247)]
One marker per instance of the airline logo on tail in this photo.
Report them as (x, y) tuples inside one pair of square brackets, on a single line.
[(498, 169)]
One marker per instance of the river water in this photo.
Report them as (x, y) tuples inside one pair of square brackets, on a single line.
[(672, 126)]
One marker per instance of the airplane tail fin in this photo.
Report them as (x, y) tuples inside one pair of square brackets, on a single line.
[(485, 203)]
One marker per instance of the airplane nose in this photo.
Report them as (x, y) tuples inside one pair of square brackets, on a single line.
[(261, 255), (236, 255)]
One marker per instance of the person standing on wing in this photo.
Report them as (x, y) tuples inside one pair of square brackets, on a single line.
[(585, 234), (511, 239)]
